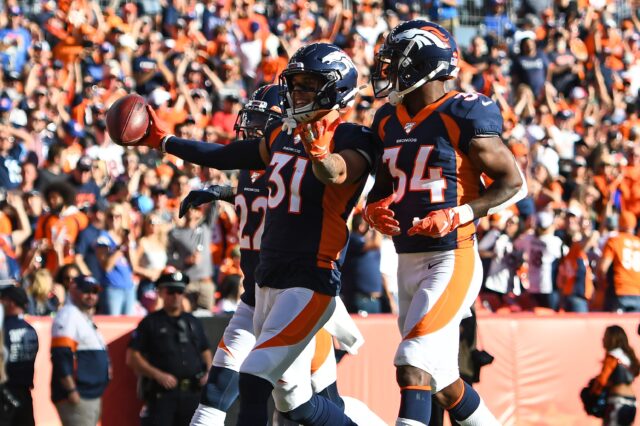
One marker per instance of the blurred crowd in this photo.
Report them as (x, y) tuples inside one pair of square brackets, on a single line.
[(566, 75)]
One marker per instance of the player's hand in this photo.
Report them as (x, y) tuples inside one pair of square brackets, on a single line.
[(156, 131), (201, 196), (436, 224), (166, 380), (380, 217), (316, 137)]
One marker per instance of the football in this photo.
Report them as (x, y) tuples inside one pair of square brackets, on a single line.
[(127, 120)]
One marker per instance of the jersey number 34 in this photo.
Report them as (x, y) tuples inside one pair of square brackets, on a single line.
[(422, 178)]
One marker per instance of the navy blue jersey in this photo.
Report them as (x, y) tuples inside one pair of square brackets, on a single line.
[(251, 206), (427, 157), (305, 230)]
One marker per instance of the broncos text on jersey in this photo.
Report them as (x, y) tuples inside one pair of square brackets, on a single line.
[(427, 157)]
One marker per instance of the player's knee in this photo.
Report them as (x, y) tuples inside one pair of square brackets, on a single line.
[(253, 388), (407, 375), (221, 390), (301, 413)]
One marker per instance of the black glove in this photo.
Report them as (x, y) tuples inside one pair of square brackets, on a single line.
[(201, 196)]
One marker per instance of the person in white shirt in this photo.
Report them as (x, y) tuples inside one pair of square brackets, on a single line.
[(542, 251)]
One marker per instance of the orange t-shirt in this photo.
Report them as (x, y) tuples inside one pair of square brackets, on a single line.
[(624, 249), (66, 228), (574, 271)]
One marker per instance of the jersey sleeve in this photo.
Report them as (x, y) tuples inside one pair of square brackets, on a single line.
[(360, 139), (64, 344), (141, 336), (609, 250), (477, 117)]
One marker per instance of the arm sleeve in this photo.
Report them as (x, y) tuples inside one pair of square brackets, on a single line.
[(244, 155)]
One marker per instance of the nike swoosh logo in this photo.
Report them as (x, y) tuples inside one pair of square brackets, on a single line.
[(431, 265), (487, 103)]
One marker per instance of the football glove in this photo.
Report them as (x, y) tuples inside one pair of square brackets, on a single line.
[(316, 137), (156, 131), (201, 196), (380, 217), (436, 224)]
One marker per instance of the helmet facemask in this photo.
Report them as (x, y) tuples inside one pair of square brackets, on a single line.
[(253, 120)]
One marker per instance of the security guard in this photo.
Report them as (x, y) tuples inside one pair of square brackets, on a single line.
[(170, 352)]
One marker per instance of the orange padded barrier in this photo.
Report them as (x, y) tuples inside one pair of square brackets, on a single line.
[(541, 363)]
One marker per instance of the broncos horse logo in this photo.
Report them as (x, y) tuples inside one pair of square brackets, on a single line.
[(425, 36), (338, 56)]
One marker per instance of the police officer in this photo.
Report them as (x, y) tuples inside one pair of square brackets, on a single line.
[(21, 341), (170, 351)]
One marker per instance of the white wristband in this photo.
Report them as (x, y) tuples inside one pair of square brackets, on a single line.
[(465, 213), (163, 143)]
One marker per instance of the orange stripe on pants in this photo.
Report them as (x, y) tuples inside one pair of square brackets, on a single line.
[(301, 325), (324, 343), (451, 299)]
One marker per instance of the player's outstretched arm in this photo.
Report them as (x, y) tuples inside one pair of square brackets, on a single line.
[(251, 154), (198, 197)]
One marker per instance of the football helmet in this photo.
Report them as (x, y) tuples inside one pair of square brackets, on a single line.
[(259, 112), (414, 53), (338, 75)]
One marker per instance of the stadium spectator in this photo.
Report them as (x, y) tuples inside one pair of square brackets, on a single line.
[(21, 342), (57, 231), (171, 354), (188, 251), (621, 252), (149, 258), (361, 277), (619, 369), (42, 298), (500, 260), (113, 249), (86, 257), (542, 251), (81, 368)]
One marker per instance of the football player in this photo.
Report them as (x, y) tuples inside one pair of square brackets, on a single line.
[(315, 168), (428, 193), (221, 390)]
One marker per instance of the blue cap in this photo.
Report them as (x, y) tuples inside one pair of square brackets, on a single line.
[(86, 282)]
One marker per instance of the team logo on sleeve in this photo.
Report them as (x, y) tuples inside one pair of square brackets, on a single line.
[(338, 56), (425, 36)]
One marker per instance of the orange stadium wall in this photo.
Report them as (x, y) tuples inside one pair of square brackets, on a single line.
[(541, 363)]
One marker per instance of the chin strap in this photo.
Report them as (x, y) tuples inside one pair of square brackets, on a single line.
[(395, 97), (289, 125)]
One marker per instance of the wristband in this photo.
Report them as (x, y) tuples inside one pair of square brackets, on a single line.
[(465, 213), (163, 144)]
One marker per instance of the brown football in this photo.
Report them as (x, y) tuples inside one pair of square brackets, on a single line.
[(128, 119)]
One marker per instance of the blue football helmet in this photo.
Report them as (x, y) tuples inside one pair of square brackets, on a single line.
[(338, 74), (414, 53), (264, 108)]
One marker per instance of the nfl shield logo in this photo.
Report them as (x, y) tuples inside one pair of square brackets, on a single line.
[(408, 127)]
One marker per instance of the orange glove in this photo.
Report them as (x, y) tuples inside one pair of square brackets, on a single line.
[(436, 224), (156, 131), (380, 217), (317, 136)]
